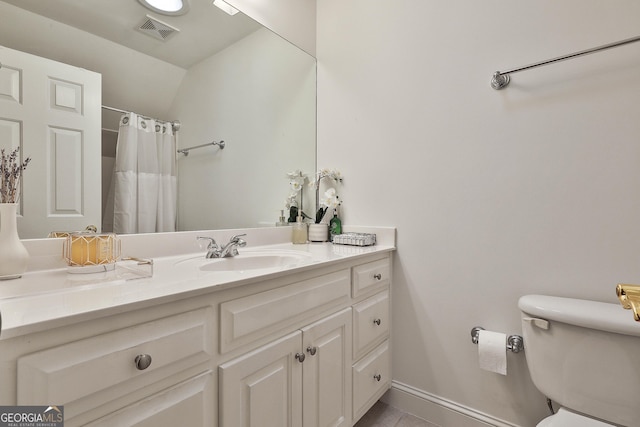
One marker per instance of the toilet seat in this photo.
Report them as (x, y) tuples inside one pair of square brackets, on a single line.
[(566, 418)]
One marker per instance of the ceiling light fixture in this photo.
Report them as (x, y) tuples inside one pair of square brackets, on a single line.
[(166, 7), (225, 6)]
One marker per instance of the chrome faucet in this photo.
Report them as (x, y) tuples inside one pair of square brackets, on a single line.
[(228, 250)]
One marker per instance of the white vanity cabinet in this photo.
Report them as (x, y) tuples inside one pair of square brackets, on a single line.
[(326, 373), (301, 349)]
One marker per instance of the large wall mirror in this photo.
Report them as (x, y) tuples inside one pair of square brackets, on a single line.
[(223, 77)]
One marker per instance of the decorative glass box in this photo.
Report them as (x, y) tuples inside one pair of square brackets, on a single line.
[(90, 252)]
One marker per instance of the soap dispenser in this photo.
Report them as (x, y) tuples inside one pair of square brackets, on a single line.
[(299, 232), (335, 225)]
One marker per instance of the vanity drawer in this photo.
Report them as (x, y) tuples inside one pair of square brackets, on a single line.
[(185, 404), (84, 374), (371, 378), (370, 323), (247, 319), (370, 276)]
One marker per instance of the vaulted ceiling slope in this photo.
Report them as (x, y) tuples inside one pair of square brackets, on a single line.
[(203, 31)]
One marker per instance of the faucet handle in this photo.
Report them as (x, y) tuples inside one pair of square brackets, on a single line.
[(212, 242), (238, 241), (231, 248)]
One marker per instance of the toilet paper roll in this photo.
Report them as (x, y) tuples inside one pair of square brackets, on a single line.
[(492, 351)]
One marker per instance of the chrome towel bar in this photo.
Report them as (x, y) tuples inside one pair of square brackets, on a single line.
[(501, 79), (185, 151)]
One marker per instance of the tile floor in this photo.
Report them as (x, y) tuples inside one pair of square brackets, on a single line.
[(383, 415)]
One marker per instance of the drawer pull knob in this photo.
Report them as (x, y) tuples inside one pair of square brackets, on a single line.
[(377, 276), (377, 377), (300, 357), (312, 350), (377, 321), (142, 361)]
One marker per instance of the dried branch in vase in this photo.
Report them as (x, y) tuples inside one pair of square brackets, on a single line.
[(10, 175)]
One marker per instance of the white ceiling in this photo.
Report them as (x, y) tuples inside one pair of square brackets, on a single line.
[(204, 29)]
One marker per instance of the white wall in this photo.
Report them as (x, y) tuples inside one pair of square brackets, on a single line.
[(258, 96), (495, 194)]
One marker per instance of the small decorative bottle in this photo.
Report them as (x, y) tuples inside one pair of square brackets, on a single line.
[(299, 231), (335, 225), (283, 221)]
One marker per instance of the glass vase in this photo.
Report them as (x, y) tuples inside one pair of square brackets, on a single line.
[(13, 255)]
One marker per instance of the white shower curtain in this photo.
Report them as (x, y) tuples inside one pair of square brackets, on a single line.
[(144, 181)]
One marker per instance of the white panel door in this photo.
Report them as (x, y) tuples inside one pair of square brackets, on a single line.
[(327, 372), (52, 112), (264, 387)]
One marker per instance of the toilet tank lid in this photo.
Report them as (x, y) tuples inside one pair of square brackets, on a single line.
[(587, 314)]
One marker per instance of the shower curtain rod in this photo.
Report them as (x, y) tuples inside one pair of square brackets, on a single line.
[(175, 124), (501, 79)]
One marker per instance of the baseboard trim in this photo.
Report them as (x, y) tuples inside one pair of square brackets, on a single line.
[(437, 410)]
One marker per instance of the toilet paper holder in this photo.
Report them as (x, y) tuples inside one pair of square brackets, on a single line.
[(515, 343)]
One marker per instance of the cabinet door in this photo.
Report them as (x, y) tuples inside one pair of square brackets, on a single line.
[(326, 371), (264, 387)]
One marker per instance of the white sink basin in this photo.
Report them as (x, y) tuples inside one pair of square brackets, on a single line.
[(249, 260)]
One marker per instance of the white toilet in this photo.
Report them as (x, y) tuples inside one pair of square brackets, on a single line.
[(584, 356)]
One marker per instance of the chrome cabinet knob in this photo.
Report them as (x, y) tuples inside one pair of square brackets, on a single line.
[(300, 357), (312, 350), (377, 377), (377, 321), (377, 276), (142, 361)]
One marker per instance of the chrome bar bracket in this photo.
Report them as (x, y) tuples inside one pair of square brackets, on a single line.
[(515, 343), (500, 81), (475, 333)]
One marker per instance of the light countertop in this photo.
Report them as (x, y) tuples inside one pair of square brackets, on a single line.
[(45, 295)]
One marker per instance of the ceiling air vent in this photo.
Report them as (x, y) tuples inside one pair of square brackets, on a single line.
[(157, 29)]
